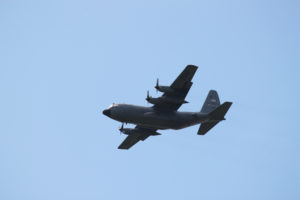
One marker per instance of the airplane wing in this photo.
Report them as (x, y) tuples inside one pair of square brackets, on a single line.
[(181, 87), (140, 133)]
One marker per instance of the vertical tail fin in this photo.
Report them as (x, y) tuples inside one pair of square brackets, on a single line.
[(211, 103)]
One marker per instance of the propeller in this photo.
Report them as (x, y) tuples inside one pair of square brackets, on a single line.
[(157, 85), (148, 96)]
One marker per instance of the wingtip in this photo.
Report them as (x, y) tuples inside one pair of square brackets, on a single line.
[(192, 66), (214, 91), (119, 147)]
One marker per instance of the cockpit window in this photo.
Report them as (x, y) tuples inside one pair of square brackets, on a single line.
[(112, 105)]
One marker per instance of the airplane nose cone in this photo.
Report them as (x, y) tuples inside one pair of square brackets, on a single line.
[(106, 112)]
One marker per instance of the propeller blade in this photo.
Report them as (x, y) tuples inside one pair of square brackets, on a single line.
[(148, 97), (157, 85)]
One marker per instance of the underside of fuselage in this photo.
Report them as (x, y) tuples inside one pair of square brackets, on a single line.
[(148, 117)]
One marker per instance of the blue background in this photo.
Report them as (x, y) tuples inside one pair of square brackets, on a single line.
[(63, 62)]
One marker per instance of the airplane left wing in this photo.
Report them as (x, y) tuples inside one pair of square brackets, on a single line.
[(138, 133), (180, 87)]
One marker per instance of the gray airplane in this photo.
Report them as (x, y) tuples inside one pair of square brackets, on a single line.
[(164, 115)]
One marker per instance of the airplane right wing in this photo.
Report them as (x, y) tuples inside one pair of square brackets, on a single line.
[(138, 134), (131, 140)]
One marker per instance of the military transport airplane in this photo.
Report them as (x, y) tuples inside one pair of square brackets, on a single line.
[(164, 115)]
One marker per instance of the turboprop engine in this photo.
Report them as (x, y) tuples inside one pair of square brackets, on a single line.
[(163, 99), (161, 88), (128, 131)]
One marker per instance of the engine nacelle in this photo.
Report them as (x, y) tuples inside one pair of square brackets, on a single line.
[(154, 100), (127, 131), (164, 99), (165, 89), (161, 88)]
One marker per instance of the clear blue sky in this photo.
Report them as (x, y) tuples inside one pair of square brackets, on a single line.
[(63, 62)]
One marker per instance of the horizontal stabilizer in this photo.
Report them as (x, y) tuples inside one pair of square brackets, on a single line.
[(205, 127), (219, 112)]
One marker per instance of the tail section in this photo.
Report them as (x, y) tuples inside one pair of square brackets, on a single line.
[(211, 103), (215, 117), (219, 113)]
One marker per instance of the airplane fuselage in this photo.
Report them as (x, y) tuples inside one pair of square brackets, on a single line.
[(164, 113), (150, 118)]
